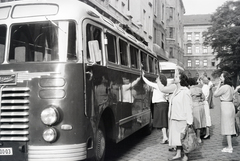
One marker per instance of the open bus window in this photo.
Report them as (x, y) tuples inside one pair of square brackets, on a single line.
[(123, 52), (43, 42), (144, 61), (111, 48), (2, 41), (93, 35), (151, 64), (134, 57)]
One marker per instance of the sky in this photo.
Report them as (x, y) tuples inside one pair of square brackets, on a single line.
[(201, 6)]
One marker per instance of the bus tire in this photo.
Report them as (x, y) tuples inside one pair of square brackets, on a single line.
[(100, 143)]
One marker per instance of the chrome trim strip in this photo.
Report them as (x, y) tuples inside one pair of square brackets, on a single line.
[(16, 89), (15, 101), (14, 126), (16, 95), (14, 132), (15, 107), (11, 120), (13, 138), (14, 114), (57, 153), (130, 118)]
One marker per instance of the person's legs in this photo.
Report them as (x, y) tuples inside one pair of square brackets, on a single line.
[(207, 135), (164, 132), (228, 149), (198, 136), (178, 154), (229, 141)]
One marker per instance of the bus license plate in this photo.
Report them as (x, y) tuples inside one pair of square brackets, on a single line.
[(6, 151)]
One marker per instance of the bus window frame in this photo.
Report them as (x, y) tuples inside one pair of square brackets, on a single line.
[(85, 43), (138, 58), (116, 48), (52, 61), (127, 50), (146, 61)]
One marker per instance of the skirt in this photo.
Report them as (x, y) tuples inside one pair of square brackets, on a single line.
[(199, 118), (160, 118), (176, 127), (207, 113), (227, 118)]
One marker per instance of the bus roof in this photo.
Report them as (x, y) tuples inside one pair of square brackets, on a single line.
[(42, 10), (168, 66)]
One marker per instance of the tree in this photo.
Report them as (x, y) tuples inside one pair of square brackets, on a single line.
[(224, 36)]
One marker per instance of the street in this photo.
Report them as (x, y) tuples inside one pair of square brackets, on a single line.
[(146, 148)]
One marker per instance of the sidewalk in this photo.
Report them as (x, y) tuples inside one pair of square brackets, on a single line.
[(210, 150)]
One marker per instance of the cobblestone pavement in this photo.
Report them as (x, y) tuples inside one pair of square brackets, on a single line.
[(149, 149)]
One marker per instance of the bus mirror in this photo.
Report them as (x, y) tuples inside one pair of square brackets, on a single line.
[(95, 52)]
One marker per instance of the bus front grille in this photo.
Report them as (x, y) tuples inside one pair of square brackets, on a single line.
[(14, 112)]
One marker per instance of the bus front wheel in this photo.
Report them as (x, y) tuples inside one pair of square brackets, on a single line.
[(100, 143)]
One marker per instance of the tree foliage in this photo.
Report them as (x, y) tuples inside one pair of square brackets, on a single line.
[(224, 36)]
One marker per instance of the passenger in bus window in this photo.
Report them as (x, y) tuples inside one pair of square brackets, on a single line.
[(126, 98), (160, 111)]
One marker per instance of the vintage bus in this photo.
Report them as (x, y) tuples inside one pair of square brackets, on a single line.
[(70, 81), (168, 69)]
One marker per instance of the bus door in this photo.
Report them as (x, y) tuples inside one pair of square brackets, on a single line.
[(92, 35)]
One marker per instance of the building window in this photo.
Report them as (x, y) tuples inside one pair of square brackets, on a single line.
[(154, 35), (197, 62), (205, 50), (205, 62), (213, 62), (189, 63), (163, 12), (171, 32), (197, 36), (162, 41), (155, 7), (189, 36), (171, 52), (197, 49), (171, 11), (189, 49)]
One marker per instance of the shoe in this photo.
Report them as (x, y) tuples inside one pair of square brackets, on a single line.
[(172, 149), (206, 137), (199, 141), (227, 150), (164, 142), (185, 158), (178, 158)]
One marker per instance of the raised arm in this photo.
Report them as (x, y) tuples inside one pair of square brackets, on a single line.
[(165, 89)]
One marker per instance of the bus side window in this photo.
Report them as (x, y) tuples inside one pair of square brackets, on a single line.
[(71, 56), (111, 48), (144, 61), (93, 33), (123, 52), (2, 42), (134, 57), (151, 65)]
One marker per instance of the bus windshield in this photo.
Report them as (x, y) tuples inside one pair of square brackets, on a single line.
[(43, 42), (2, 41)]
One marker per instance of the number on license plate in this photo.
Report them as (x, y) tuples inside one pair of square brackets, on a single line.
[(6, 151)]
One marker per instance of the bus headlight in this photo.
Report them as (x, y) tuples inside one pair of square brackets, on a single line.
[(50, 115), (50, 135)]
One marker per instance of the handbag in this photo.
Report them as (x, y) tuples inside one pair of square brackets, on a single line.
[(189, 139)]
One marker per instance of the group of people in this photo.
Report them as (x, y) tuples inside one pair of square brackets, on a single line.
[(188, 104)]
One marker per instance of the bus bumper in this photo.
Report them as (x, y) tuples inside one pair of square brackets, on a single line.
[(73, 152)]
